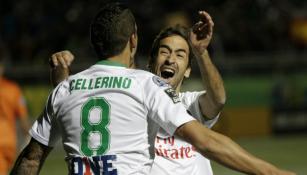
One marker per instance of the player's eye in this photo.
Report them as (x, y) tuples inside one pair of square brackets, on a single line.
[(163, 52), (180, 55)]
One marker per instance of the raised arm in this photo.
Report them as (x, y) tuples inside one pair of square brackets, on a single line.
[(59, 64), (213, 101), (31, 159), (225, 151)]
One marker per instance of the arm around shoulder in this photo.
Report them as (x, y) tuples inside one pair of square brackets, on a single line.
[(225, 151)]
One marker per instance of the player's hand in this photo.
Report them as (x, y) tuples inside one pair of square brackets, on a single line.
[(201, 33), (62, 59), (60, 63)]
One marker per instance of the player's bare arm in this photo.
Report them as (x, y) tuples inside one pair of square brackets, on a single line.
[(31, 159), (224, 151), (60, 63), (213, 101)]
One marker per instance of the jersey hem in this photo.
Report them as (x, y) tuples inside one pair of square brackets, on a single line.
[(39, 138)]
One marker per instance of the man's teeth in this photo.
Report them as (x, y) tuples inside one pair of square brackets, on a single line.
[(168, 70)]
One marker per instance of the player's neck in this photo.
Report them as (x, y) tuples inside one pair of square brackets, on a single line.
[(123, 58), (178, 88), (118, 60)]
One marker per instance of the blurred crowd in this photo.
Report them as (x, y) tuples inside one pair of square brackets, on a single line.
[(31, 30)]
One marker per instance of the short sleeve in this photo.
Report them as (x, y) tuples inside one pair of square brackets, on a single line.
[(45, 129), (190, 100), (164, 105)]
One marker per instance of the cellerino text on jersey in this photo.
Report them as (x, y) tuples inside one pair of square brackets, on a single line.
[(100, 82)]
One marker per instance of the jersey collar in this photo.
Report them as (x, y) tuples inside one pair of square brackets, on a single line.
[(110, 63)]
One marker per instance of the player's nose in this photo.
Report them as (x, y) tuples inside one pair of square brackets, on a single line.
[(170, 59)]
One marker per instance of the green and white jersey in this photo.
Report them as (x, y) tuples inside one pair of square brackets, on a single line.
[(107, 117), (176, 156)]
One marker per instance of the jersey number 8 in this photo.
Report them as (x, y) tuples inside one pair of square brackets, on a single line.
[(90, 129)]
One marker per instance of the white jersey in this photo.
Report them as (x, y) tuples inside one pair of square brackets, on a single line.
[(174, 155), (102, 116)]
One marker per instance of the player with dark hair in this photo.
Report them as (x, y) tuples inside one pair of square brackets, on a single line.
[(116, 31), (107, 116), (170, 58)]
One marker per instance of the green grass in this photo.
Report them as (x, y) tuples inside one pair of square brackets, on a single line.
[(288, 152)]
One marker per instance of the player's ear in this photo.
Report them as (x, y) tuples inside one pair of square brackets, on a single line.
[(133, 44), (187, 72), (134, 40)]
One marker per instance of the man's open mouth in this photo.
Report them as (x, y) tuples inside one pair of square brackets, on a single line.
[(167, 73)]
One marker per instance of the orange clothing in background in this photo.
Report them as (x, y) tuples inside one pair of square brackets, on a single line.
[(12, 106)]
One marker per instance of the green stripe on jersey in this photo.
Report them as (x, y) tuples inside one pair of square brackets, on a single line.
[(111, 63), (100, 83)]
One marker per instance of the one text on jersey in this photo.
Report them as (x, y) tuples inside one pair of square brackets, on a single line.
[(93, 165), (100, 82)]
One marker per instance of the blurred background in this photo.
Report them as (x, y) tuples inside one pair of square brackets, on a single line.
[(259, 47)]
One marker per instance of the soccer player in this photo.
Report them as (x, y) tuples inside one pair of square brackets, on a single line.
[(170, 58), (12, 108), (107, 114)]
